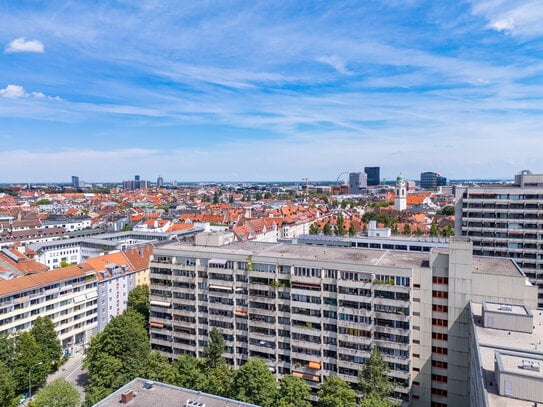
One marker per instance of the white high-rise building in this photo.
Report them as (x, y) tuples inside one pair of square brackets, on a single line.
[(400, 198)]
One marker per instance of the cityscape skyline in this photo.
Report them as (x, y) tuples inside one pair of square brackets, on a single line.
[(269, 89)]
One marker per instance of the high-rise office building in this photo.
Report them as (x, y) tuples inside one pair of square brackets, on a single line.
[(506, 221), (317, 311), (137, 178), (431, 180), (373, 175), (160, 182), (358, 181), (75, 181)]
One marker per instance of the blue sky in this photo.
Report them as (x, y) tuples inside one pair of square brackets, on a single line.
[(269, 90)]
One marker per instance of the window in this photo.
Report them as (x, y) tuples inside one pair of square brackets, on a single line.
[(439, 392), (440, 294), (440, 280), (416, 355), (416, 383), (437, 404), (439, 364), (416, 369), (416, 285), (439, 336), (439, 378), (440, 308), (440, 322), (439, 350)]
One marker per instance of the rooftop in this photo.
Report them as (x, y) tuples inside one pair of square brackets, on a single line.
[(521, 345), (319, 253), (165, 395)]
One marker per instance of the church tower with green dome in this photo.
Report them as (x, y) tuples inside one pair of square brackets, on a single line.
[(400, 197)]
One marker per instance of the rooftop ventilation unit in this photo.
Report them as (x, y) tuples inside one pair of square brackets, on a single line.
[(191, 403), (530, 365), (505, 307)]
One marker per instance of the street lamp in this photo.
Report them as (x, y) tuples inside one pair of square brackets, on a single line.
[(30, 378)]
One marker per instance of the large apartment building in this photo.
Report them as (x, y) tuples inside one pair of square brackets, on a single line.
[(68, 296), (506, 221), (315, 311)]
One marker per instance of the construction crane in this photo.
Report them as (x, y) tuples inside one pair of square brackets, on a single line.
[(306, 185)]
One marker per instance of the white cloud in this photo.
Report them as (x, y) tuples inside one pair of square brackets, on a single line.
[(20, 45), (515, 17), (335, 62), (13, 92), (17, 92)]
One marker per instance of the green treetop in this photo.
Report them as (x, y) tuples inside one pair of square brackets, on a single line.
[(373, 378), (58, 393), (254, 383), (293, 392), (336, 392)]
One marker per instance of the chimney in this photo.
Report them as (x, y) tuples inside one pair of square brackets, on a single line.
[(127, 396)]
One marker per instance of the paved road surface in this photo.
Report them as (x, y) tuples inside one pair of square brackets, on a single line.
[(73, 372)]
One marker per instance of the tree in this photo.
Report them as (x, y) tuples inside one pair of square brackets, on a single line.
[(433, 230), (123, 344), (231, 199), (448, 210), (254, 383), (105, 376), (43, 330), (43, 201), (190, 373), (138, 300), (352, 230), (214, 349), (58, 393), (448, 231), (220, 381), (418, 231), (407, 229), (159, 369), (314, 229), (7, 385), (216, 198), (268, 195), (293, 392), (258, 196), (327, 230), (373, 379), (7, 350), (28, 354), (340, 228), (374, 401), (336, 392)]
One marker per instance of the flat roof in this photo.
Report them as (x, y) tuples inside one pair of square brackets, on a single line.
[(513, 362), (496, 265), (514, 309), (389, 258), (492, 339), (165, 395)]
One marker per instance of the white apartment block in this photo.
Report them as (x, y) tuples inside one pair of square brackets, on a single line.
[(67, 296), (114, 285), (69, 223), (315, 311), (506, 221)]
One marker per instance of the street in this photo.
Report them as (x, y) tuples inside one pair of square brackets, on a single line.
[(73, 372)]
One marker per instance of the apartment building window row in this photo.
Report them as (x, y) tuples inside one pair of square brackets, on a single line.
[(440, 308), (439, 392), (440, 280), (440, 322), (439, 378), (440, 336), (439, 350), (440, 294)]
